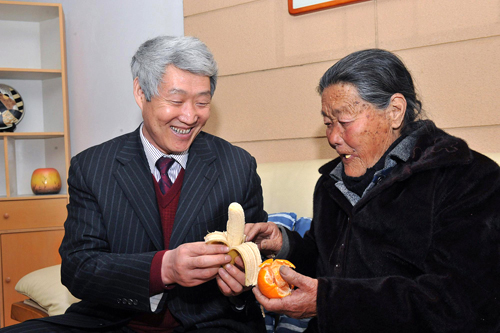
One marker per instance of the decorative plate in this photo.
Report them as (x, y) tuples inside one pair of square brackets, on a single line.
[(11, 108)]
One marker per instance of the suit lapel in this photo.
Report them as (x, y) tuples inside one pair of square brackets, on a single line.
[(134, 178), (199, 178)]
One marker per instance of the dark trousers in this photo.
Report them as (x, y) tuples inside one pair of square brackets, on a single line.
[(46, 327), (37, 326)]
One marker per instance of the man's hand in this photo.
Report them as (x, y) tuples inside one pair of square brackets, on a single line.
[(231, 278), (300, 304), (192, 264), (266, 235)]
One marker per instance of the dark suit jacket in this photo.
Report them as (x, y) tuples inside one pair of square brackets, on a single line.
[(113, 231)]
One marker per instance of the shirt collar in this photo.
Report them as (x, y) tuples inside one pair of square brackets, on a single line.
[(153, 153), (400, 153)]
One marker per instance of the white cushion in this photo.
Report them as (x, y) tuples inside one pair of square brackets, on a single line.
[(289, 186), (45, 288), (494, 156)]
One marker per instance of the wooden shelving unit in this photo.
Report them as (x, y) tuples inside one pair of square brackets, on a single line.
[(33, 61)]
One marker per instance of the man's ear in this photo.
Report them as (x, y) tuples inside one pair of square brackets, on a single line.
[(139, 96), (397, 110)]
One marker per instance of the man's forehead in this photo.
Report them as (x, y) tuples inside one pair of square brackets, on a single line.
[(178, 91)]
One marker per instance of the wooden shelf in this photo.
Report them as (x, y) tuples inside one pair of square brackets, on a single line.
[(32, 135), (29, 73), (34, 197), (28, 11), (34, 63), (20, 231)]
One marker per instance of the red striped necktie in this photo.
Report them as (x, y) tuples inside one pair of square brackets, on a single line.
[(163, 164)]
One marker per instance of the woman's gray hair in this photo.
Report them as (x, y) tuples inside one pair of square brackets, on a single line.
[(187, 53), (377, 74)]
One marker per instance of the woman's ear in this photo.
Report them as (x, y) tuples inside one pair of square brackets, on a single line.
[(139, 96), (397, 110)]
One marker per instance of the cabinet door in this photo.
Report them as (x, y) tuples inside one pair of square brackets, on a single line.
[(23, 253)]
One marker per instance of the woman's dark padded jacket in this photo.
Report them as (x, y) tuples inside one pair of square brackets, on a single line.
[(418, 253)]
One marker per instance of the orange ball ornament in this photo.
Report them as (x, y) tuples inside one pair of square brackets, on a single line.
[(270, 282), (45, 181)]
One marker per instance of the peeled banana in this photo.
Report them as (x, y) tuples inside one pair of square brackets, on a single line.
[(234, 238)]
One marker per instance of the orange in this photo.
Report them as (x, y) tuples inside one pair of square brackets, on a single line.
[(270, 282)]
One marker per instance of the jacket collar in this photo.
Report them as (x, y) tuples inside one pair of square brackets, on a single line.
[(434, 149), (431, 148), (140, 192), (199, 179)]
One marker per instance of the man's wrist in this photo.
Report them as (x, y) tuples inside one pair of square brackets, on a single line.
[(169, 286), (156, 284)]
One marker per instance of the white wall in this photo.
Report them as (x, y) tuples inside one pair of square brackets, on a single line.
[(101, 38)]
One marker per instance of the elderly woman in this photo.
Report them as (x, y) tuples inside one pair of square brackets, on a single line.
[(405, 231)]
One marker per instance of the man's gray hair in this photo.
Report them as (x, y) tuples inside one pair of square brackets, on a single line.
[(187, 53)]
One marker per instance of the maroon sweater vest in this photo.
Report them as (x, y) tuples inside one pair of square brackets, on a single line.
[(167, 204)]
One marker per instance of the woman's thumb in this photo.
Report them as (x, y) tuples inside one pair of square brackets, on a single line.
[(289, 275)]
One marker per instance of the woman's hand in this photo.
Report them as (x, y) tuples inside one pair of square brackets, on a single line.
[(300, 304), (266, 235)]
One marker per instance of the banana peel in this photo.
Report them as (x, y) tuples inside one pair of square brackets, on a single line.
[(234, 238)]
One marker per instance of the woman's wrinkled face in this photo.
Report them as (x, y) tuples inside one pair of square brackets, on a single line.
[(356, 129)]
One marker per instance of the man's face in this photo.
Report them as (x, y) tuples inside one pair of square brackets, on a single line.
[(174, 117), (359, 132)]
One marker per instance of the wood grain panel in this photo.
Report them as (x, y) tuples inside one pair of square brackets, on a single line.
[(26, 214)]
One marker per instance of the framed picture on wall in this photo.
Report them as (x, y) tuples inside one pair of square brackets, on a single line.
[(296, 7)]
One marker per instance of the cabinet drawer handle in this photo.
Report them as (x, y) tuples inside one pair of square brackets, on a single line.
[(7, 279), (6, 215)]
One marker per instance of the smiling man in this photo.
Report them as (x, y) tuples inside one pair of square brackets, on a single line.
[(174, 117), (141, 204)]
